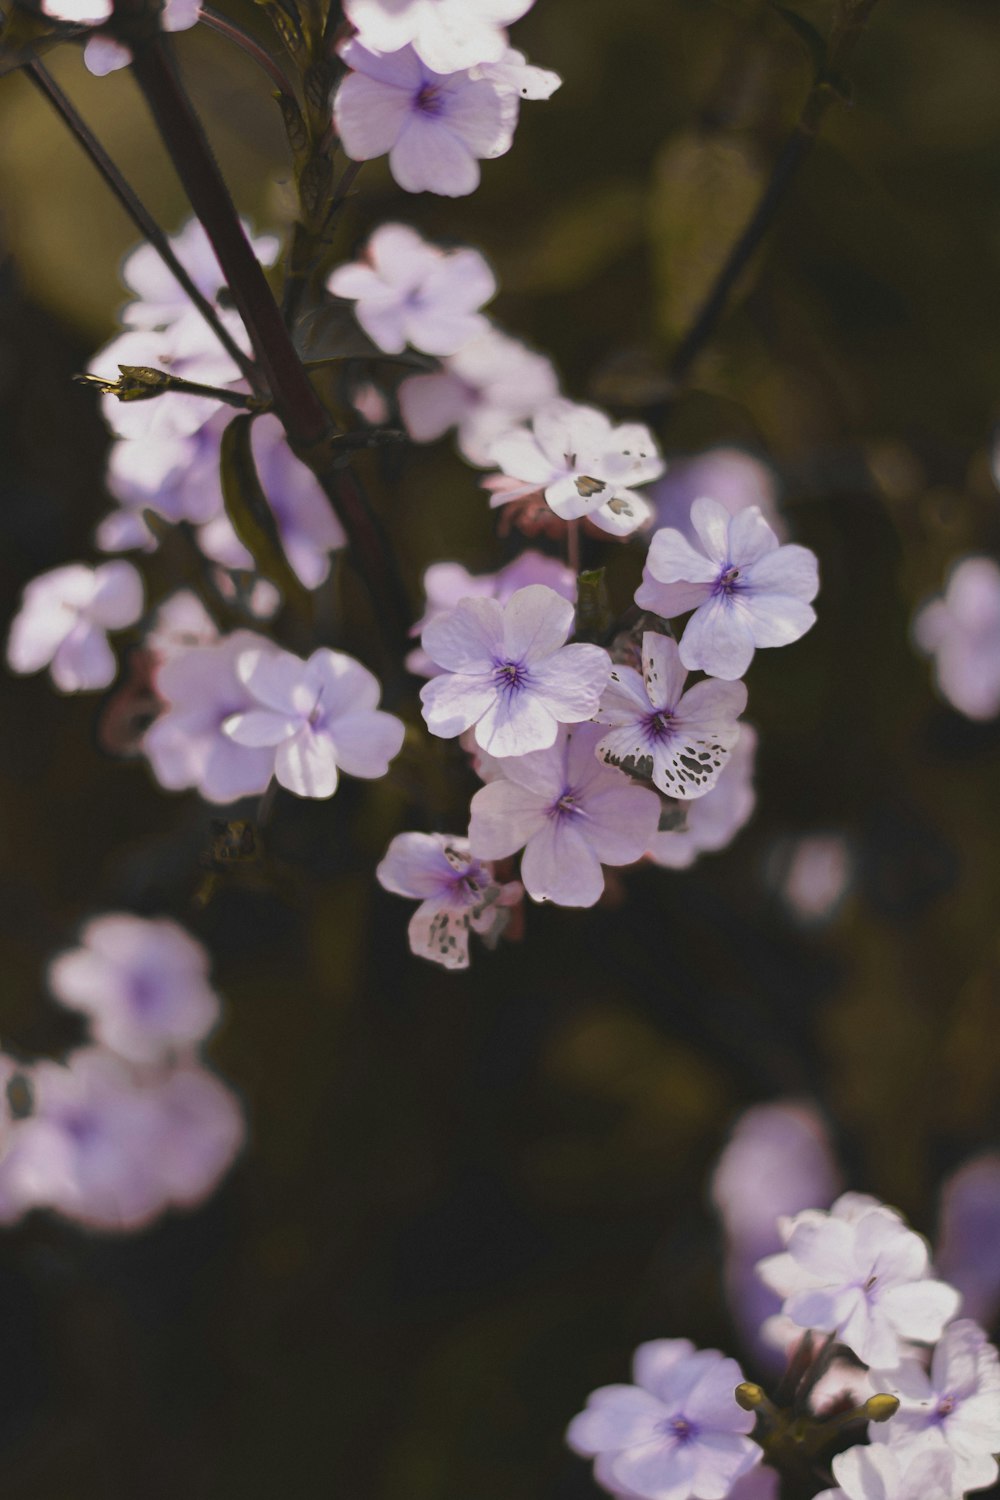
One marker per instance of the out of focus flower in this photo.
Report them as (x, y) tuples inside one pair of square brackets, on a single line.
[(813, 874), (79, 12), (143, 983), (181, 621), (105, 54), (583, 464), (713, 821), (745, 590), (200, 1132), (509, 671), (435, 127), (677, 1432), (879, 1473), (484, 390), (407, 291), (968, 1242), (953, 1408), (961, 631), (457, 893), (734, 478), (159, 298), (317, 717), (684, 738), (569, 813), (186, 348), (64, 619), (447, 34)]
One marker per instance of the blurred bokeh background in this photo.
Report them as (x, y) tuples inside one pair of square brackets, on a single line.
[(467, 1197)]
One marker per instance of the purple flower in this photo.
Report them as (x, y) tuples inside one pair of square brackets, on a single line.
[(409, 292), (186, 746), (456, 893), (200, 1131), (64, 619), (961, 631), (734, 478), (713, 821), (583, 464), (484, 390), (746, 590), (879, 1473), (968, 1244), (104, 54), (144, 985), (681, 739), (509, 672), (569, 813), (187, 348), (160, 299), (447, 34), (676, 1433), (315, 716), (435, 126)]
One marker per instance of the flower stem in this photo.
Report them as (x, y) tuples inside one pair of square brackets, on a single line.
[(263, 59)]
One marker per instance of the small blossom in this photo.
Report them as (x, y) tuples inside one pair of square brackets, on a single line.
[(676, 1433), (961, 631), (186, 348), (200, 1132), (860, 1273), (813, 874), (435, 127), (879, 1473), (968, 1242), (181, 621), (317, 717), (160, 300), (510, 673), (954, 1408), (64, 619), (456, 893), (682, 739), (710, 823), (734, 478), (745, 590), (447, 34), (407, 291), (583, 464), (484, 390), (144, 985), (105, 54), (569, 813)]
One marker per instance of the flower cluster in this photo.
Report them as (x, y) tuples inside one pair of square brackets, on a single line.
[(131, 1123)]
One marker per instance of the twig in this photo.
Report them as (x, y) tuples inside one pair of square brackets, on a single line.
[(250, 46)]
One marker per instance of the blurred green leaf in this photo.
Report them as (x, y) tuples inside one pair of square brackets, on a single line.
[(248, 509)]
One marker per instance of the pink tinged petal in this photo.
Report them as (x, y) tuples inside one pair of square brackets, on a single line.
[(503, 817), (670, 599), (719, 639), (369, 116), (470, 638), (428, 158), (453, 704), (621, 821), (261, 726), (571, 681), (664, 674), (536, 622), (516, 723), (84, 661), (921, 1310), (672, 559), (440, 934), (306, 765), (559, 865), (750, 537), (431, 404), (365, 743), (711, 522), (616, 1416), (103, 55), (659, 1470), (790, 571), (118, 596)]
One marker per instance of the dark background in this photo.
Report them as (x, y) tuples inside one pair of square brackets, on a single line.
[(467, 1197)]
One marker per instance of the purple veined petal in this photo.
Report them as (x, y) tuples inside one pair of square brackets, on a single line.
[(118, 597), (624, 699), (400, 69), (570, 682), (624, 513), (342, 684), (718, 639), (306, 764), (670, 599), (415, 865), (663, 672), (791, 571), (442, 935), (653, 1362), (559, 865), (519, 455), (503, 818), (621, 821), (659, 1470), (274, 679), (428, 158), (453, 704), (616, 1416), (541, 771), (672, 559), (750, 537), (366, 742), (710, 521), (431, 404), (516, 723), (261, 726), (480, 116), (536, 622), (470, 638), (370, 116), (921, 1309), (84, 661)]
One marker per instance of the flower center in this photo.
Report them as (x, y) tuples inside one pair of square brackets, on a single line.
[(429, 100), (568, 805), (680, 1429), (509, 677), (659, 726), (729, 581), (946, 1406)]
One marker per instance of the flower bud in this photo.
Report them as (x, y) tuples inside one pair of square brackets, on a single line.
[(880, 1408)]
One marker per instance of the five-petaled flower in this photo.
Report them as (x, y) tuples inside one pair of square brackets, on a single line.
[(64, 619), (878, 1473), (457, 893)]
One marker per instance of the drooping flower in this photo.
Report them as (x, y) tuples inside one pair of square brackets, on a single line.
[(407, 291), (509, 672), (317, 717), (570, 814), (488, 387), (64, 619), (744, 588), (583, 464), (447, 34), (712, 822), (681, 739), (143, 983), (955, 1407), (858, 1272), (961, 631), (435, 127), (676, 1433), (457, 893), (879, 1473)]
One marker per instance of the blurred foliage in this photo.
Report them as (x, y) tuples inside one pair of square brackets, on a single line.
[(468, 1197)]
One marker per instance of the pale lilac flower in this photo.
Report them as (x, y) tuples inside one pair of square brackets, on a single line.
[(488, 387), (447, 34), (317, 717), (407, 291), (955, 1407), (181, 621), (761, 1483), (879, 1473), (105, 54), (308, 528), (175, 474), (446, 584), (734, 478), (186, 348), (186, 746), (813, 874), (681, 739), (860, 1273), (509, 672), (569, 813), (514, 73), (968, 1241), (961, 631), (200, 1132), (143, 983), (457, 893), (583, 464), (712, 822), (435, 127), (745, 589), (64, 619), (676, 1433), (161, 300)]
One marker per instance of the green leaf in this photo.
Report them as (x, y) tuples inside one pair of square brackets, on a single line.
[(806, 32), (330, 332), (248, 509)]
